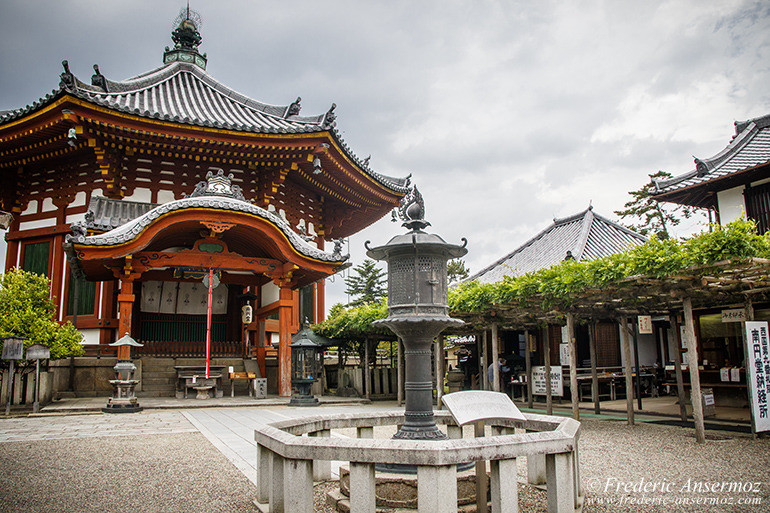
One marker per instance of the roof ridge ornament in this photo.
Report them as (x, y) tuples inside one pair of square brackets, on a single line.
[(187, 38), (99, 80), (701, 168), (67, 79), (294, 108), (411, 210), (218, 185), (330, 117)]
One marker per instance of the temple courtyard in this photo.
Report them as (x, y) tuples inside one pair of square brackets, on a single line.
[(202, 459)]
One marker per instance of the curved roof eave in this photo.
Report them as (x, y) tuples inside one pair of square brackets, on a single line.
[(752, 137), (133, 229), (206, 103)]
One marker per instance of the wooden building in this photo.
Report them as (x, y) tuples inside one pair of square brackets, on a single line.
[(733, 182), (582, 237), (146, 184)]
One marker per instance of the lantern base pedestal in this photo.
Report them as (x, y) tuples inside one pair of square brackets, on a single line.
[(122, 406), (303, 401), (124, 400), (303, 397)]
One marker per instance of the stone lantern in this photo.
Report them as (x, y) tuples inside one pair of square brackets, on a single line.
[(124, 398), (306, 350), (418, 308)]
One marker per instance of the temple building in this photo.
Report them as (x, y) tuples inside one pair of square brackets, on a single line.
[(126, 194), (734, 182)]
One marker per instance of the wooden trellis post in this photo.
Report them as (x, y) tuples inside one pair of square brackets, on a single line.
[(547, 364), (573, 386), (692, 364), (493, 358), (627, 369), (528, 363), (594, 375), (678, 368)]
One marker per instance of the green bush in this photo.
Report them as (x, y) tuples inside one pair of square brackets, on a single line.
[(27, 311)]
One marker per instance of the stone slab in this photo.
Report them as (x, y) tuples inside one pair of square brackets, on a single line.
[(474, 405)]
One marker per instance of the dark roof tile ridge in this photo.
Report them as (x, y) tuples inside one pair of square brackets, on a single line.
[(620, 227), (572, 218), (510, 255), (749, 129), (585, 232), (761, 122)]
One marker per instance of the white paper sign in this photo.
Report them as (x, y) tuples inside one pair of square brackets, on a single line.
[(724, 374), (645, 325), (538, 380), (564, 355), (758, 372), (735, 374)]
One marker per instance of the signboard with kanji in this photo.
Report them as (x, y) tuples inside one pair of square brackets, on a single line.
[(645, 325), (736, 315), (13, 349), (538, 381), (758, 372)]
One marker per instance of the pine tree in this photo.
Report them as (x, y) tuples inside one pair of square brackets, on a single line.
[(367, 285), (456, 271), (651, 216)]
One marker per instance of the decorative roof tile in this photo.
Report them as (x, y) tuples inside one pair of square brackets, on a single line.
[(585, 236)]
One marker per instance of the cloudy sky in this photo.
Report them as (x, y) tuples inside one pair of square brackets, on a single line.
[(507, 114)]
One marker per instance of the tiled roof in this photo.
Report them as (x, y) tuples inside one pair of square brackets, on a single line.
[(750, 147), (587, 236), (184, 93), (133, 228), (104, 214)]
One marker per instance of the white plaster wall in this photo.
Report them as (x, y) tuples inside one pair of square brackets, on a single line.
[(165, 196), (80, 200), (90, 337), (731, 204), (141, 194), (269, 294), (31, 208), (76, 218), (275, 339), (48, 205), (40, 223)]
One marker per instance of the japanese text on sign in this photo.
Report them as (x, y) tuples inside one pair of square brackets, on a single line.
[(758, 372)]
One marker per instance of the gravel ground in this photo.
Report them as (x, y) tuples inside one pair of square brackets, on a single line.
[(153, 473), (184, 472)]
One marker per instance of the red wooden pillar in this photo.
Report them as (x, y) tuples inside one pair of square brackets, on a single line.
[(126, 308), (320, 301), (285, 303)]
